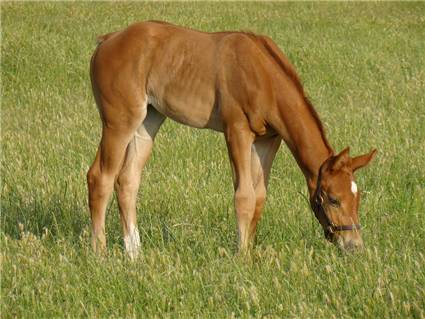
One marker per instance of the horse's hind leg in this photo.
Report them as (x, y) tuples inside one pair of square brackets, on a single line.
[(128, 181), (119, 126)]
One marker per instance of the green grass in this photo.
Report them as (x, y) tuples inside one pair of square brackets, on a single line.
[(363, 67)]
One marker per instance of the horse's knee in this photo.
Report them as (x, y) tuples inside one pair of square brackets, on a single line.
[(91, 177), (260, 195), (92, 180), (245, 201), (98, 184)]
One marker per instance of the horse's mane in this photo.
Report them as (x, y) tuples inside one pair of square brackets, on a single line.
[(289, 70)]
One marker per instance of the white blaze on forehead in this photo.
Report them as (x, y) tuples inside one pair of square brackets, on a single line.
[(353, 187)]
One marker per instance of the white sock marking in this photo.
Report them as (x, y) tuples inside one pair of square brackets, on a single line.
[(353, 187), (132, 241)]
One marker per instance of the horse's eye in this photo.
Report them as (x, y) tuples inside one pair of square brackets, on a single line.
[(333, 201)]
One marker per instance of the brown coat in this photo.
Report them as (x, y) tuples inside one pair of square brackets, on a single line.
[(238, 83)]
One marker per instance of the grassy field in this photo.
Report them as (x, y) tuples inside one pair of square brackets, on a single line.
[(362, 66)]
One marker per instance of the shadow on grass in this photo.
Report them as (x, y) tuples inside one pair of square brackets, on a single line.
[(66, 216), (61, 217)]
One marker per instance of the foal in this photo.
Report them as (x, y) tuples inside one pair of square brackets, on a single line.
[(237, 83)]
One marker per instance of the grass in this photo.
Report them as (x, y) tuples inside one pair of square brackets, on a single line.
[(362, 65)]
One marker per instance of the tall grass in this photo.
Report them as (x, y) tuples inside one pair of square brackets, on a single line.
[(362, 65)]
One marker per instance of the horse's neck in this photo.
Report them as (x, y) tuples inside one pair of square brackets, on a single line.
[(310, 157), (305, 137)]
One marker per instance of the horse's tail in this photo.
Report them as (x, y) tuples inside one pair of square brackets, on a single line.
[(99, 40)]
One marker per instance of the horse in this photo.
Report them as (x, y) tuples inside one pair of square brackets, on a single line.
[(237, 83)]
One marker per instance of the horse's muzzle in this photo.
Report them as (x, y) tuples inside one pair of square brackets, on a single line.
[(347, 242)]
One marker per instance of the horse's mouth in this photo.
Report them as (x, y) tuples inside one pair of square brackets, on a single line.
[(349, 246)]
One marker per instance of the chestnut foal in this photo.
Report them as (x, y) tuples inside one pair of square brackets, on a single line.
[(237, 83)]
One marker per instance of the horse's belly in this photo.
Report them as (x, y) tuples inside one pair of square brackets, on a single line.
[(195, 112)]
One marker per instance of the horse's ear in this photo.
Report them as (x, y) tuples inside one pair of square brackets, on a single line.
[(362, 160), (341, 160)]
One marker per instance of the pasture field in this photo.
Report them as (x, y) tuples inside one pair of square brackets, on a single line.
[(363, 66)]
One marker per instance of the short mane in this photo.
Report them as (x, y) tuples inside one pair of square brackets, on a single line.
[(289, 70)]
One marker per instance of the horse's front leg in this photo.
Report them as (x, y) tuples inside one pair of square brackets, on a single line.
[(263, 153), (239, 139)]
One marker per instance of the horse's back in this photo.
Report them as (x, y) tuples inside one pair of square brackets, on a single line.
[(196, 78)]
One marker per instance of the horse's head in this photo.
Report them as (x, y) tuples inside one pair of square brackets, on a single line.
[(336, 199)]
